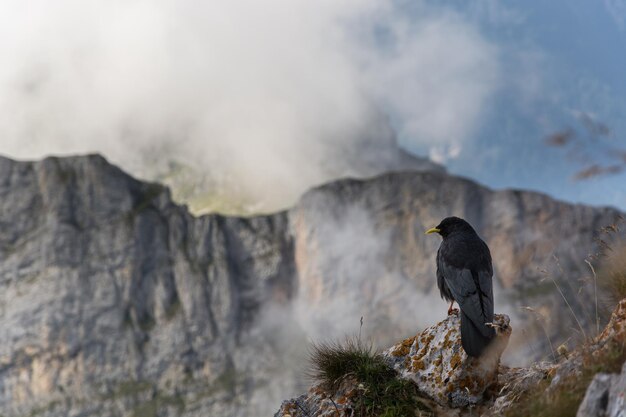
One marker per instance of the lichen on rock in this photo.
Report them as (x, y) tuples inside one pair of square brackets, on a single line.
[(436, 361)]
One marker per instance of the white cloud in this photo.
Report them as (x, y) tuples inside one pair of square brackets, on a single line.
[(436, 75), (273, 96), (443, 153), (617, 10)]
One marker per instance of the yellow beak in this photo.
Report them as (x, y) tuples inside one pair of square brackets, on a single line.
[(433, 230)]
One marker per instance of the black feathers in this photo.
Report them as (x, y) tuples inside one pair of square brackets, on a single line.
[(464, 274)]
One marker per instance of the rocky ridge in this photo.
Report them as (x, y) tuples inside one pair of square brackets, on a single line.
[(117, 301)]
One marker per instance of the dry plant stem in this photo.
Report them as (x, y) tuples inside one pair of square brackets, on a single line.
[(539, 318), (336, 408), (306, 413), (360, 328), (595, 290), (565, 298), (549, 341)]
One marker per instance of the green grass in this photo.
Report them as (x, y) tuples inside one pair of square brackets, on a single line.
[(382, 394)]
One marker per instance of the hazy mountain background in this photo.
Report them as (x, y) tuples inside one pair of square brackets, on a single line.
[(262, 100)]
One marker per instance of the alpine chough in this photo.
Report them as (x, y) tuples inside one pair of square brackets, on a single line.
[(464, 274)]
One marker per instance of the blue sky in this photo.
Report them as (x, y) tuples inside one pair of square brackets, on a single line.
[(578, 56)]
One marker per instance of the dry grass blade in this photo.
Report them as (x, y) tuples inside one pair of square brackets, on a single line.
[(582, 331), (595, 293)]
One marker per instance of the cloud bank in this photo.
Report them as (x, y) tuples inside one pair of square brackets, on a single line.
[(272, 96)]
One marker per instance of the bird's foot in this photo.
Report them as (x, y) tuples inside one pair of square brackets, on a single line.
[(452, 311)]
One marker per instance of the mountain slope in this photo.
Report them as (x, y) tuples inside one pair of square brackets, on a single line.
[(116, 301)]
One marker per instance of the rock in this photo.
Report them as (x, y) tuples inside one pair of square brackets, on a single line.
[(515, 382), (604, 393), (116, 300), (605, 396), (617, 395), (434, 360), (614, 333), (437, 363), (596, 398), (319, 403), (615, 330)]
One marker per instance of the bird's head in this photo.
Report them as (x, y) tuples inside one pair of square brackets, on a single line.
[(450, 225)]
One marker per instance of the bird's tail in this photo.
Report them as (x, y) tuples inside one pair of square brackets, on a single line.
[(473, 338)]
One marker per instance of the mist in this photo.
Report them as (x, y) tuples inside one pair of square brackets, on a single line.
[(350, 287), (265, 99)]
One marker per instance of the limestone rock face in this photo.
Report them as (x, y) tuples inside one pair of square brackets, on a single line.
[(436, 361), (115, 301)]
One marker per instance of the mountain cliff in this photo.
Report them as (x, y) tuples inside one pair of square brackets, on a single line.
[(117, 301)]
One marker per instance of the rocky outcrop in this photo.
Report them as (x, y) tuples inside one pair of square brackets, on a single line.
[(436, 361), (116, 301), (453, 384)]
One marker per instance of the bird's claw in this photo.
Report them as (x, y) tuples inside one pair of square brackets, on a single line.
[(452, 311)]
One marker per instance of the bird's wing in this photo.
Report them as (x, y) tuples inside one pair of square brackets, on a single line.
[(441, 282), (474, 294)]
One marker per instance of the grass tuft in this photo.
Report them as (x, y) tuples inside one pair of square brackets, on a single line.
[(613, 276), (611, 268), (381, 392)]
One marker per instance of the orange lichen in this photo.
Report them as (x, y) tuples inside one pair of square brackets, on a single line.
[(403, 348), (417, 365), (437, 362), (342, 400), (448, 341), (455, 360), (425, 340)]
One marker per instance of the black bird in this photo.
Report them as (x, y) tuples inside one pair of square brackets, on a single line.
[(464, 275)]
